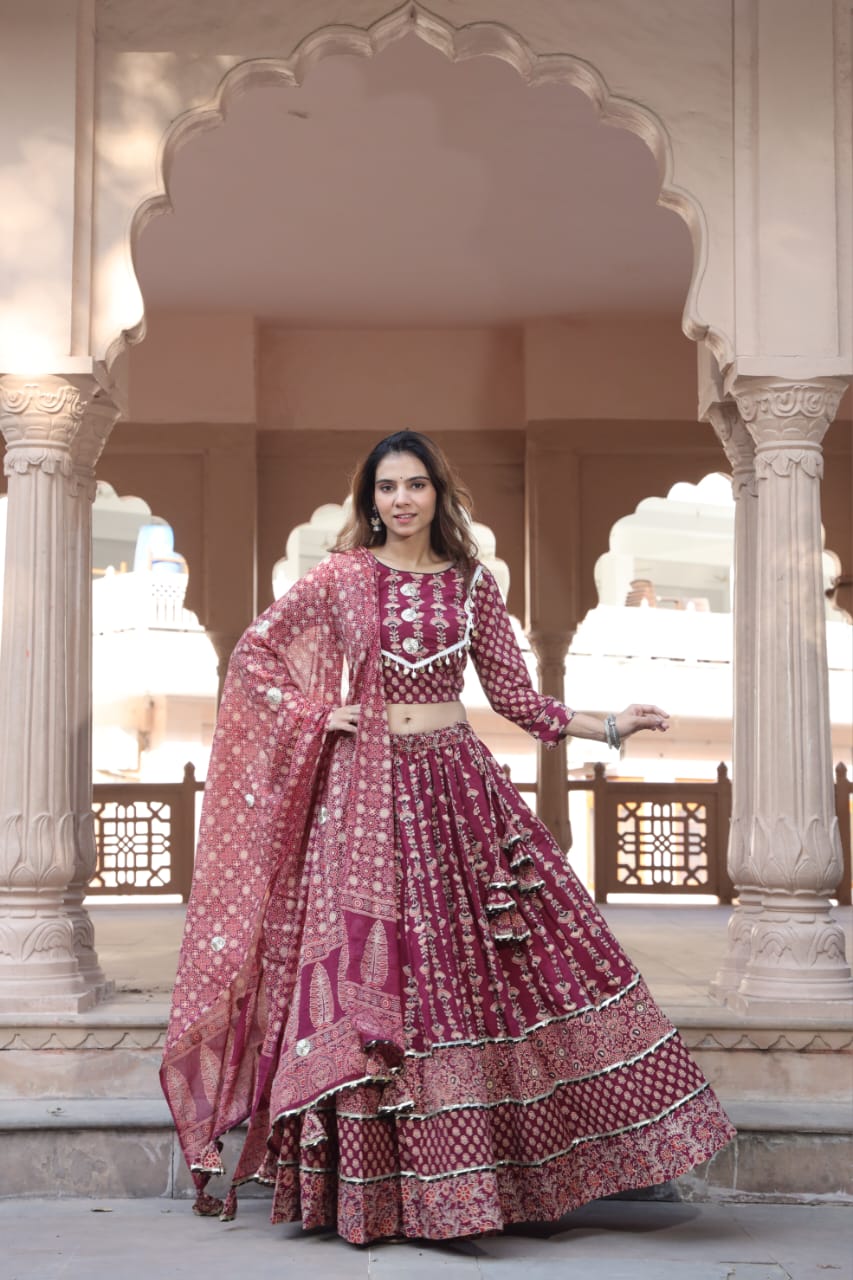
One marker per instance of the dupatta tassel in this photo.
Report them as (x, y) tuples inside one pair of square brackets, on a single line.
[(509, 926), (229, 1208), (313, 1130), (529, 879), (206, 1206), (498, 899), (505, 920), (268, 1171), (208, 1164)]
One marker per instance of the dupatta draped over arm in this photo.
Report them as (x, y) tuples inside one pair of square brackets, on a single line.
[(337, 976)]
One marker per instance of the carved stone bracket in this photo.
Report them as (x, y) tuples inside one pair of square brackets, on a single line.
[(96, 423), (743, 484)]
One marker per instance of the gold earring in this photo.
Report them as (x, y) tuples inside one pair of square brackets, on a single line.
[(375, 522)]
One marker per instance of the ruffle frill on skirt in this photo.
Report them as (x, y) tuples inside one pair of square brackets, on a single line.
[(539, 1073)]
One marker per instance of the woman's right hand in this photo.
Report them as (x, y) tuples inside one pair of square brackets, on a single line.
[(641, 715), (343, 719)]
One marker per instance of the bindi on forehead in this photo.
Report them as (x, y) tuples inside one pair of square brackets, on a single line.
[(389, 470), (402, 476)]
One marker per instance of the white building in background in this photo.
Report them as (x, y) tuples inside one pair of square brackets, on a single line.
[(155, 680)]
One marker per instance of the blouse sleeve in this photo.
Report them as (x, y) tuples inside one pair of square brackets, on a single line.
[(503, 672)]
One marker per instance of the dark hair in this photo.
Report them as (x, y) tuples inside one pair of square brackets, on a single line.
[(450, 533)]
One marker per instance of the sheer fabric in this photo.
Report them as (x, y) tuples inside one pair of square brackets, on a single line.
[(387, 967)]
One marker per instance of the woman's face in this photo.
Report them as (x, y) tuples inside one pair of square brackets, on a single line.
[(405, 496)]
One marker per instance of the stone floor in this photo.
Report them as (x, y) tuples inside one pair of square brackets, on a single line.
[(610, 1240), (677, 948)]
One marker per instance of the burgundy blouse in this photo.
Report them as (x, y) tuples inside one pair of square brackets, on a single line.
[(428, 624)]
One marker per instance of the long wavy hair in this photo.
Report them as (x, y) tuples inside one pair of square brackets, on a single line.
[(450, 532)]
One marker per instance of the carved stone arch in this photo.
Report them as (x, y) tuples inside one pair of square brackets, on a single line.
[(702, 487), (475, 39), (711, 489)]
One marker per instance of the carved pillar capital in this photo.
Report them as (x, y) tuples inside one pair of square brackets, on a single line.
[(788, 420), (792, 409), (99, 417), (39, 420), (738, 445), (54, 424)]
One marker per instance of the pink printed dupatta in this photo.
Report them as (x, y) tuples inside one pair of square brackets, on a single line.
[(267, 979)]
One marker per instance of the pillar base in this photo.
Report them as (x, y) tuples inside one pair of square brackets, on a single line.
[(84, 944), (741, 924), (796, 960), (38, 967), (52, 988), (815, 1008), (82, 1003)]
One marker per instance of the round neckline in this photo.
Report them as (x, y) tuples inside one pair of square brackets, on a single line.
[(415, 573)]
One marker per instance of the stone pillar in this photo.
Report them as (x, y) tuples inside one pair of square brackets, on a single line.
[(740, 451), (796, 949), (98, 420), (224, 642), (552, 795), (41, 419)]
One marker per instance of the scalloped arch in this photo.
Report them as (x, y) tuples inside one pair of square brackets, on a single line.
[(476, 39), (704, 490)]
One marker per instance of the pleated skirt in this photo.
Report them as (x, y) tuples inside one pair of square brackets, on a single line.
[(539, 1074)]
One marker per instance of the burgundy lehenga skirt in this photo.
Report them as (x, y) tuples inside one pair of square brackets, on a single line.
[(539, 1074)]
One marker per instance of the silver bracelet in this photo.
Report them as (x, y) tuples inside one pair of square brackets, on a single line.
[(612, 733)]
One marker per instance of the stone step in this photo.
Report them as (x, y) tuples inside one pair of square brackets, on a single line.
[(116, 1049), (799, 1152)]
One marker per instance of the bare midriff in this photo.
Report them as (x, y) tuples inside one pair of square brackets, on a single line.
[(424, 717)]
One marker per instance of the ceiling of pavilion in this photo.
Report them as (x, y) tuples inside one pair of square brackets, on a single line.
[(407, 189)]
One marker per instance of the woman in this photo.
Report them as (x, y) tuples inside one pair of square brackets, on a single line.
[(388, 968)]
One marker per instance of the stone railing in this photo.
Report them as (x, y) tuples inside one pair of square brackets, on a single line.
[(660, 837), (145, 836), (649, 837)]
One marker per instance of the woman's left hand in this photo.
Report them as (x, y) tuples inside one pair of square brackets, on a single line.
[(343, 719), (641, 715)]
